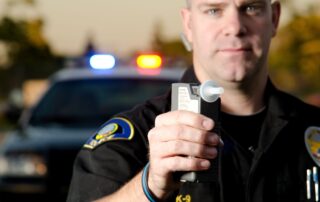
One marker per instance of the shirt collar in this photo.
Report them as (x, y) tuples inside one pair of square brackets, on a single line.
[(189, 76), (276, 100)]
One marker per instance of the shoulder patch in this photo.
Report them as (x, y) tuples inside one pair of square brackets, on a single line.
[(115, 129), (312, 141)]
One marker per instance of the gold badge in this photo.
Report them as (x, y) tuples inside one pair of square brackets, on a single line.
[(312, 141)]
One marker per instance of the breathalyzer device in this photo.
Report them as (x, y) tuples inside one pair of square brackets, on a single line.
[(204, 99)]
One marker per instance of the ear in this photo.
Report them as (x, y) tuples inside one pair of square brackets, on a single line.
[(276, 11), (186, 22)]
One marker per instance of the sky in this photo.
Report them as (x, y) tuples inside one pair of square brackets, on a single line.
[(117, 26)]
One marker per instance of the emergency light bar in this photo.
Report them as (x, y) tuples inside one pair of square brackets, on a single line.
[(149, 61), (102, 61)]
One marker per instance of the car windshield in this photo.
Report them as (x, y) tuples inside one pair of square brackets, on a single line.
[(89, 103)]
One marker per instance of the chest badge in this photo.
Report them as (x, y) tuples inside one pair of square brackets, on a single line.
[(312, 141)]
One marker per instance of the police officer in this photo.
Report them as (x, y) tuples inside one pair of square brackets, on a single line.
[(269, 139)]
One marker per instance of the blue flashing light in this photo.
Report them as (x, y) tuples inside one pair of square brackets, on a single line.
[(102, 61)]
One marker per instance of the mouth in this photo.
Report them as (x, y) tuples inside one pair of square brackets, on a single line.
[(235, 50)]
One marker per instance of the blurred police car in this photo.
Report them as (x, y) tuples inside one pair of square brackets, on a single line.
[(36, 160)]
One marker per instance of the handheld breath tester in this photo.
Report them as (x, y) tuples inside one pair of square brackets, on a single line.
[(203, 99)]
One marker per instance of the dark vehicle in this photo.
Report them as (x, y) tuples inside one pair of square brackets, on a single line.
[(36, 159)]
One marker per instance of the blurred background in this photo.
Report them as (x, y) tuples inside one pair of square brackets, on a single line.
[(40, 37), (37, 37)]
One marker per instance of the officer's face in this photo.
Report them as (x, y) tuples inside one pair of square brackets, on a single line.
[(230, 38)]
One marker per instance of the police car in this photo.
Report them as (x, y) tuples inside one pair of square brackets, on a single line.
[(36, 159)]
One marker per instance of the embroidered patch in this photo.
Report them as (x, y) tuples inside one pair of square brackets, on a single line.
[(115, 129), (183, 198), (312, 141)]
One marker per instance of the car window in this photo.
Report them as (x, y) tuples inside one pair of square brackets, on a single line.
[(91, 102)]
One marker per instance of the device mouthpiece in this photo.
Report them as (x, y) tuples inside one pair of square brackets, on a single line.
[(210, 91)]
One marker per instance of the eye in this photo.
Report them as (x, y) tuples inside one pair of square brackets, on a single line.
[(213, 11), (254, 9)]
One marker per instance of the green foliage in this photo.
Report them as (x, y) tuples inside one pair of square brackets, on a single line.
[(173, 50), (294, 56), (28, 54), (14, 2)]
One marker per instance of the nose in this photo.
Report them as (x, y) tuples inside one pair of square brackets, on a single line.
[(235, 25)]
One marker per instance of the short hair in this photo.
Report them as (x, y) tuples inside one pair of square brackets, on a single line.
[(188, 2)]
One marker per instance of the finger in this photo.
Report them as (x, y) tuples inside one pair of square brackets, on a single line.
[(183, 148), (183, 132), (186, 118), (179, 163)]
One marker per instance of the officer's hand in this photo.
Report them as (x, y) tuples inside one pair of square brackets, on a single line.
[(177, 136)]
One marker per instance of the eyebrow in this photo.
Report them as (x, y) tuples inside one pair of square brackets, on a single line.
[(254, 1), (222, 4), (249, 2), (211, 4)]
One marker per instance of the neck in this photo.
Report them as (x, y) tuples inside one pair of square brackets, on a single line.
[(244, 100), (243, 97)]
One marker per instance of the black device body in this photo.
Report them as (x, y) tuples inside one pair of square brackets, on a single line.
[(180, 99), (211, 110)]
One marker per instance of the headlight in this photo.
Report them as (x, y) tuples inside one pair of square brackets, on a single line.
[(22, 165)]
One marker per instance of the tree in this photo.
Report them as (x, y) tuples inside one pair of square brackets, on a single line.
[(28, 54), (173, 50), (294, 58)]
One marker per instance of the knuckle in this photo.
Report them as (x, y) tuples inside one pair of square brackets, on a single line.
[(179, 131), (175, 163), (213, 152), (158, 120), (197, 121), (177, 146), (200, 151), (201, 136), (217, 140), (192, 164), (151, 135), (178, 116)]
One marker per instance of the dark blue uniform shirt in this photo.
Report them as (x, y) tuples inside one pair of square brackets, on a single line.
[(273, 170)]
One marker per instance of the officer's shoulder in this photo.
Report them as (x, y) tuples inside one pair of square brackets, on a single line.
[(300, 105), (127, 125), (150, 108), (306, 107)]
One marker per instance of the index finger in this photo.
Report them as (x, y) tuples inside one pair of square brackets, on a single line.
[(186, 118)]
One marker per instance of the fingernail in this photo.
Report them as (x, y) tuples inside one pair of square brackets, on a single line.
[(212, 139), (221, 142), (207, 124), (205, 164)]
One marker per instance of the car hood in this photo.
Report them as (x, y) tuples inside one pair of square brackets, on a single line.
[(49, 137)]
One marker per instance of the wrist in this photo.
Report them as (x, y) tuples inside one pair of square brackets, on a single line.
[(145, 187)]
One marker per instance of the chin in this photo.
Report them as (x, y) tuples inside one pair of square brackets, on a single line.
[(233, 75)]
